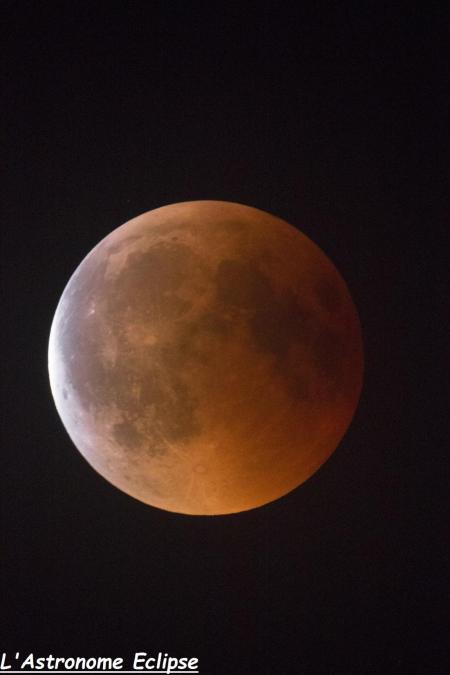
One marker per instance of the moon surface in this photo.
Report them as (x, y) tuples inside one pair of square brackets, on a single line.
[(206, 358)]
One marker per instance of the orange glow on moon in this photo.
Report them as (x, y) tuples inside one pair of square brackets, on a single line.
[(206, 358)]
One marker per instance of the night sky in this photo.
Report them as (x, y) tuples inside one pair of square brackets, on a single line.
[(332, 118)]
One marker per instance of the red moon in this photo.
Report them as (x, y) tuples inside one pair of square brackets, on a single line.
[(206, 358)]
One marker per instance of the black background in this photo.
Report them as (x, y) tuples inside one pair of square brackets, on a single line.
[(330, 117)]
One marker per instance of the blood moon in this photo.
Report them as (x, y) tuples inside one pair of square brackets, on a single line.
[(206, 357)]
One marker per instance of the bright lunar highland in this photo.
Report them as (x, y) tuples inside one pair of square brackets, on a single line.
[(206, 358)]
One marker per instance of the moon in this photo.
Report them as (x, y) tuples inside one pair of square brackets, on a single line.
[(206, 358)]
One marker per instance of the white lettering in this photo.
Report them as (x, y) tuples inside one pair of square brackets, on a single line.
[(29, 662), (138, 657)]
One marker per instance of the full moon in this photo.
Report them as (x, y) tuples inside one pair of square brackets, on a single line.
[(206, 358)]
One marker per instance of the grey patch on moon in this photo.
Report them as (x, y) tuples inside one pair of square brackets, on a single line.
[(277, 322), (273, 322), (241, 286), (198, 333), (151, 278), (163, 408), (125, 433)]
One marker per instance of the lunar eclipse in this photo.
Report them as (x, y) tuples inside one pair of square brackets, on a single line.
[(206, 358)]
